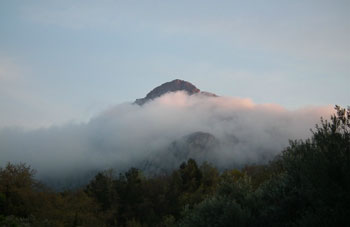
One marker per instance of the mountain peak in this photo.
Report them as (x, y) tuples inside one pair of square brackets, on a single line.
[(172, 86)]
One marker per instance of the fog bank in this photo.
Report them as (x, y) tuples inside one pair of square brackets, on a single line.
[(126, 134)]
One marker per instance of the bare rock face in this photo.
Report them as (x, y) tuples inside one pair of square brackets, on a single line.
[(172, 86)]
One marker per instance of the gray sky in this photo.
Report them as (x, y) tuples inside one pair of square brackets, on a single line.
[(66, 61)]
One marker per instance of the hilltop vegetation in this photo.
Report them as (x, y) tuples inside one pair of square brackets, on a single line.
[(307, 184)]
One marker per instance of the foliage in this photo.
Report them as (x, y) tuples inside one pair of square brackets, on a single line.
[(314, 188), (217, 211), (308, 184), (25, 202)]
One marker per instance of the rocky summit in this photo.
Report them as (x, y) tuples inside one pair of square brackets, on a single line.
[(172, 86)]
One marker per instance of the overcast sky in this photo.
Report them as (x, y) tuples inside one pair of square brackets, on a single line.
[(66, 61)]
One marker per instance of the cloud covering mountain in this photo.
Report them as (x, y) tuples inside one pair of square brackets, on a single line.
[(127, 134)]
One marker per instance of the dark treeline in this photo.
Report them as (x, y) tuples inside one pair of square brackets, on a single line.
[(308, 184)]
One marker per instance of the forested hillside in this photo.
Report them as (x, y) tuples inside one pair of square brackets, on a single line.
[(307, 184)]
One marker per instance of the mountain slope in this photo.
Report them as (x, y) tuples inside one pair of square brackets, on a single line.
[(172, 86), (201, 146)]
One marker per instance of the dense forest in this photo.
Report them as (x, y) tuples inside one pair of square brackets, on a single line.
[(307, 184)]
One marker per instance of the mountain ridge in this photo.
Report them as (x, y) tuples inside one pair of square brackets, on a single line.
[(172, 86)]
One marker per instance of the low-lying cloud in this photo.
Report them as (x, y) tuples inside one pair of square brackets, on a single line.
[(128, 133)]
